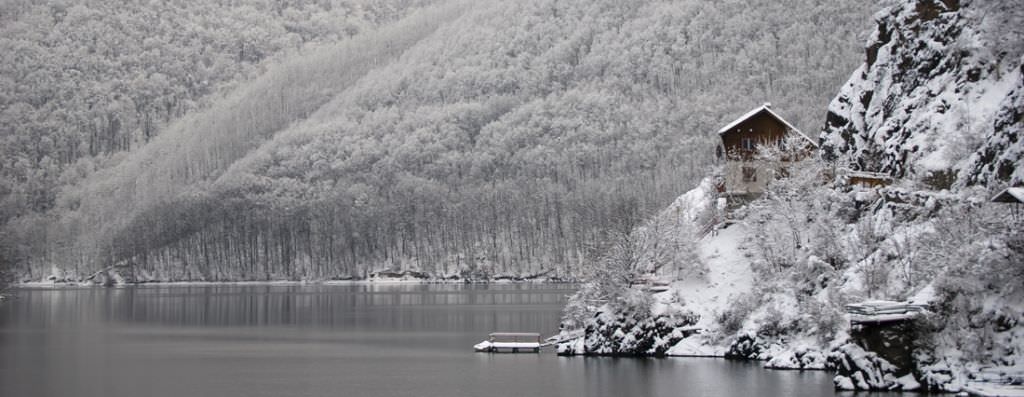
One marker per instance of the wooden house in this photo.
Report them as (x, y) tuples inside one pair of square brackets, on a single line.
[(744, 175)]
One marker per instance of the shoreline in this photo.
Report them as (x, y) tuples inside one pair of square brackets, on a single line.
[(60, 285)]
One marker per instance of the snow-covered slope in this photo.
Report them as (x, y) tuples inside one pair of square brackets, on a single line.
[(938, 98), (728, 275), (727, 278)]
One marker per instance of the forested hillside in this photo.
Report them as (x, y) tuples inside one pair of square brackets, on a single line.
[(488, 138), (82, 81)]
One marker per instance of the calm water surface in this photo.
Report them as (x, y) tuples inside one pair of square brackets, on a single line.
[(350, 340)]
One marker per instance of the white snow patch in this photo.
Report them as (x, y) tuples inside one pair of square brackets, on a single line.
[(923, 297), (694, 205), (728, 275), (696, 346), (907, 382)]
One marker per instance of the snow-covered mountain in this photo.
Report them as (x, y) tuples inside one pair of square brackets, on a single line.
[(939, 97), (470, 139)]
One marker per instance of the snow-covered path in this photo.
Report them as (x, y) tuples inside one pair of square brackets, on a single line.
[(728, 276)]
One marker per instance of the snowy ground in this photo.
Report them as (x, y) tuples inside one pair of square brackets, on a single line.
[(728, 276)]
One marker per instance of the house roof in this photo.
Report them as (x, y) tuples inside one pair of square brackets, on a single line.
[(1010, 195), (767, 107)]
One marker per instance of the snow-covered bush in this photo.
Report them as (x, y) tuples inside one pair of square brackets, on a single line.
[(618, 315), (823, 319), (664, 245), (796, 216), (979, 294), (779, 316), (731, 319)]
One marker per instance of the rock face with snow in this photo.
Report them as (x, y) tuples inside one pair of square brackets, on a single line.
[(939, 103), (859, 369), (797, 358), (939, 97)]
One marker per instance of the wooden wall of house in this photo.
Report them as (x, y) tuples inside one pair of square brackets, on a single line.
[(868, 182), (751, 182), (762, 128)]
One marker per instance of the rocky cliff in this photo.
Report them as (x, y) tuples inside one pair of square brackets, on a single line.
[(939, 96)]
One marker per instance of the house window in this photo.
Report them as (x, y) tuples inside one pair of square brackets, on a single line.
[(749, 174), (747, 144)]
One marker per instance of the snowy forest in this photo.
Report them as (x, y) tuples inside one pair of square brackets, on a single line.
[(327, 139), (548, 140), (86, 83)]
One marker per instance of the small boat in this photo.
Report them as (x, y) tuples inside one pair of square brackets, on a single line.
[(510, 342)]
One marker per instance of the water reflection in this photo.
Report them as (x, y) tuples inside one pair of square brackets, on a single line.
[(393, 306), (314, 340)]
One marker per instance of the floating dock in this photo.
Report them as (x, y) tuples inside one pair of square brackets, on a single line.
[(522, 342), (510, 342)]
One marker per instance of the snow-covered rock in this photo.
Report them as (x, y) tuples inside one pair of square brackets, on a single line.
[(859, 369), (801, 357), (939, 97), (746, 346), (908, 382)]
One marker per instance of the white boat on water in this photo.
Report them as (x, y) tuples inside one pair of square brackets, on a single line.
[(510, 342)]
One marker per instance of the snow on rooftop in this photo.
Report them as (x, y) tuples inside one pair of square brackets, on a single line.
[(1010, 195), (767, 107), (925, 296)]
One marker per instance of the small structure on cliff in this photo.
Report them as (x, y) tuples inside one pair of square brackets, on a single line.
[(746, 176), (886, 329), (1013, 196), (877, 312), (863, 179)]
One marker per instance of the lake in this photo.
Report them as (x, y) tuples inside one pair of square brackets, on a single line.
[(330, 340)]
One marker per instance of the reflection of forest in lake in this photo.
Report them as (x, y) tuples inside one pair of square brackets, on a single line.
[(316, 340), (312, 305)]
